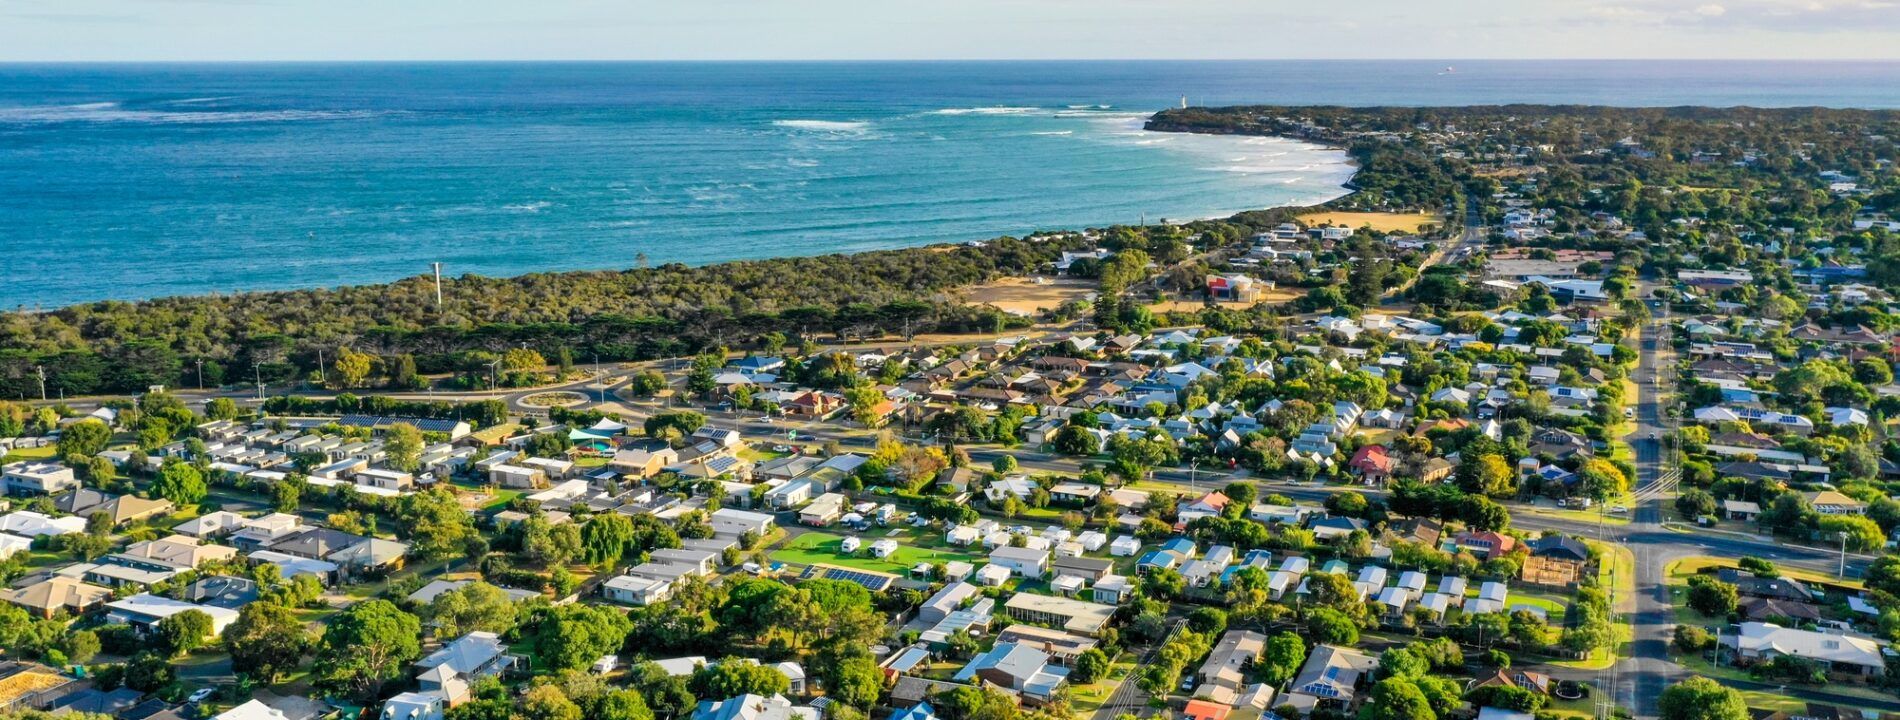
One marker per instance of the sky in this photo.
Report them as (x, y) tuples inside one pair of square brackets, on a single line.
[(237, 30)]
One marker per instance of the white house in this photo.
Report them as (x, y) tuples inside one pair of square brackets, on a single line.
[(635, 590), (1027, 562), (31, 478)]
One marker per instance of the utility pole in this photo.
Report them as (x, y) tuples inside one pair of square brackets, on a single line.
[(41, 370), (323, 378), (200, 362), (492, 366), (437, 267), (257, 371), (1843, 571)]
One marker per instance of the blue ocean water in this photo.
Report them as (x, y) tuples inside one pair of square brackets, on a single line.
[(136, 181)]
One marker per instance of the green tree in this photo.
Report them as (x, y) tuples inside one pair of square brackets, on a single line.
[(435, 523), (475, 606), (81, 646), (222, 408), (1400, 662), (856, 680), (1600, 479), (265, 641), (363, 647), (351, 367), (149, 671), (83, 439), (547, 702), (1699, 698), (403, 444), (1862, 533), (676, 424), (646, 383), (1397, 699), (571, 637), (183, 632), (1694, 503), (1487, 474), (287, 494), (1076, 440), (1508, 698), (1091, 665), (1282, 658), (1692, 638), (1331, 627), (620, 705), (1710, 596), (732, 678), (100, 471), (179, 482)]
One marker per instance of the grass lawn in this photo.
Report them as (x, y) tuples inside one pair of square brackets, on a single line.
[(1086, 699), (1616, 572), (498, 498), (817, 547), (1597, 513), (1582, 708), (1551, 604), (753, 454), (38, 453)]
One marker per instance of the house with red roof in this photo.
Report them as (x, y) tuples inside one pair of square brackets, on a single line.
[(1373, 463), (1487, 544)]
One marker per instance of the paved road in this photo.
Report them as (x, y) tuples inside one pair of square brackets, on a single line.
[(1128, 696), (1638, 680)]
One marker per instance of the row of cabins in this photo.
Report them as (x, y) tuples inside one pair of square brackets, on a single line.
[(653, 580)]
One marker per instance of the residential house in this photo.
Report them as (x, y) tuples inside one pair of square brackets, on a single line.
[(1835, 652), (450, 670), (1329, 679), (31, 478), (1372, 463), (1018, 668), (1223, 675), (1076, 616), (57, 594), (753, 707), (1064, 647), (119, 509), (1830, 502), (144, 611), (1026, 562)]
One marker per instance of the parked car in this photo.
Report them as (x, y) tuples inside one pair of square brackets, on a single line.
[(1618, 510)]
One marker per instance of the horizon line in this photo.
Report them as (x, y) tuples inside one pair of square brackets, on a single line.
[(393, 61)]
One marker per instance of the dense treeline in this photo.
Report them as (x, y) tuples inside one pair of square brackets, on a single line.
[(620, 315)]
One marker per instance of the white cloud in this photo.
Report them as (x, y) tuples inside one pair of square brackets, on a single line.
[(1711, 10)]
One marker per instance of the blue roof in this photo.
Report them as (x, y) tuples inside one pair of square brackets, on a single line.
[(920, 711)]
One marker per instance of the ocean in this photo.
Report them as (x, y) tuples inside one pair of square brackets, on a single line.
[(140, 181)]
